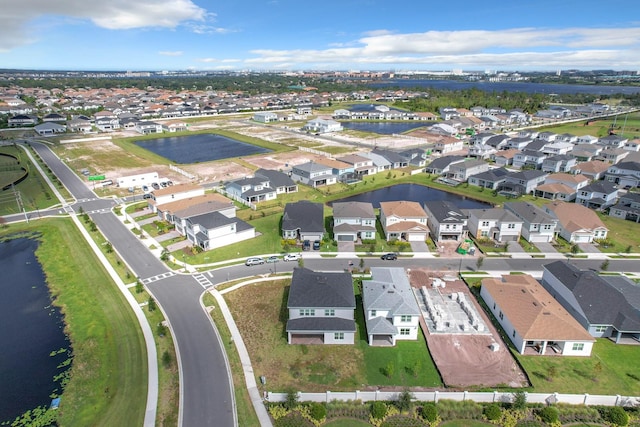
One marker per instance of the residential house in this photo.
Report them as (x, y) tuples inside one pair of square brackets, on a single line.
[(395, 159), (177, 211), (322, 126), (561, 186), (518, 143), (529, 159), (107, 124), (380, 163), (481, 151), (49, 128), (321, 308), (532, 319), (442, 165), (445, 221), (303, 220), (594, 169), (623, 174), (606, 306), (497, 224), (558, 163), (523, 182), (173, 126), (279, 181), (547, 136), (173, 193), (613, 155), (343, 171), (215, 229), (537, 225), (504, 157), (597, 195), (612, 141), (147, 127), (253, 189), (20, 120), (461, 171), (557, 148), (54, 117), (403, 220), (628, 207), (567, 137), (265, 117), (353, 221), (499, 142), (587, 139), (360, 165), (313, 174), (576, 223), (447, 145), (491, 179), (633, 145), (391, 311)]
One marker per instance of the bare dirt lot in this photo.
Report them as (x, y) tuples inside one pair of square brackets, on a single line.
[(467, 359)]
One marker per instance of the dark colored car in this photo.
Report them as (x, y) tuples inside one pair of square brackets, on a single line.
[(316, 245), (390, 256), (306, 245)]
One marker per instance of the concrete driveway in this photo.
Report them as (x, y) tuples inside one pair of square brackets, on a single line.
[(546, 248), (346, 246), (588, 248), (419, 247)]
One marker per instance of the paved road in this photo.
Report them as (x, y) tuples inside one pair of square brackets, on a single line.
[(206, 392)]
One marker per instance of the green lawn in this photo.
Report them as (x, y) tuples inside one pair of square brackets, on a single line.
[(260, 313), (109, 371), (601, 127)]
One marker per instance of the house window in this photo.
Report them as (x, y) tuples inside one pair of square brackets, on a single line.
[(405, 318), (547, 227), (485, 233), (577, 346), (405, 331), (373, 313), (501, 316), (485, 223), (307, 312), (330, 312), (338, 336), (511, 226), (513, 334), (600, 329)]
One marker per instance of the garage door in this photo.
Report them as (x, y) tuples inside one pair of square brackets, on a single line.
[(311, 237), (346, 238), (581, 239), (414, 237)]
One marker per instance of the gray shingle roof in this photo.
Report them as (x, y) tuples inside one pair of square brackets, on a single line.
[(321, 290), (304, 215)]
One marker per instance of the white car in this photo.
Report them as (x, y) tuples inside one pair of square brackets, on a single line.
[(292, 257)]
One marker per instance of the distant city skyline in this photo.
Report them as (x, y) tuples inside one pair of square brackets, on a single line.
[(279, 35)]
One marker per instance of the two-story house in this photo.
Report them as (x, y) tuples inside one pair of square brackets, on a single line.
[(321, 308), (523, 182), (597, 195), (491, 179), (361, 165), (215, 229), (445, 221), (313, 174), (303, 220), (173, 193), (497, 224), (529, 159), (403, 220), (628, 207), (353, 221), (391, 311), (279, 181), (461, 171), (624, 174), (558, 163), (537, 225), (251, 189), (561, 186)]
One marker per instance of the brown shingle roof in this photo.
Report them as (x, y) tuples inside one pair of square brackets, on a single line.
[(532, 311), (574, 216), (402, 209)]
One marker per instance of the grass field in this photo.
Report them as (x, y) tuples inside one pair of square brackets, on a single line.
[(109, 371), (260, 313), (625, 126)]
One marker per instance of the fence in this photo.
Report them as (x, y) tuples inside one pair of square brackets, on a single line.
[(95, 138), (314, 151), (482, 397), (182, 172), (236, 198)]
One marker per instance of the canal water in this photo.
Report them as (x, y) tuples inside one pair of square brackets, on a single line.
[(414, 193), (31, 330), (199, 148)]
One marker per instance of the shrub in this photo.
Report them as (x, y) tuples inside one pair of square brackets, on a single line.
[(291, 400), (519, 402), (549, 414), (318, 411), (616, 416), (430, 412), (378, 410), (492, 412)]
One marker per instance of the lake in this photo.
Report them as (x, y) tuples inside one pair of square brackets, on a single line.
[(199, 148), (31, 329), (414, 193), (507, 86), (383, 128)]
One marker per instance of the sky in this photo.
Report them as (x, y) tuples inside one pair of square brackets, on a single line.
[(346, 35)]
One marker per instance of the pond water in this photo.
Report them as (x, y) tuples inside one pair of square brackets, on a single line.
[(414, 193), (199, 148), (383, 128), (31, 330)]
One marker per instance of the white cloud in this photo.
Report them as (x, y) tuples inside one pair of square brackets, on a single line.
[(516, 48), (109, 14), (168, 53)]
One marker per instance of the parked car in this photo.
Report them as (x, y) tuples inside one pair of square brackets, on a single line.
[(273, 258), (254, 261), (316, 245), (391, 256), (292, 257), (145, 188), (147, 196), (155, 185), (306, 245)]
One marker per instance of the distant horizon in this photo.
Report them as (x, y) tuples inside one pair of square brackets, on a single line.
[(212, 36)]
